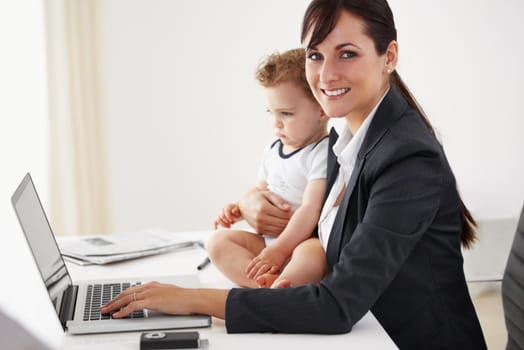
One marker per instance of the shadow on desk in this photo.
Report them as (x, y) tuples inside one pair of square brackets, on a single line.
[(16, 337)]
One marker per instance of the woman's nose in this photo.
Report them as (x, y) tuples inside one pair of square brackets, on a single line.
[(329, 71)]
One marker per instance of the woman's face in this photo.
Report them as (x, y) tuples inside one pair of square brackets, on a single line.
[(345, 72)]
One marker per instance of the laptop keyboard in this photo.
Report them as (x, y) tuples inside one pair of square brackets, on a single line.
[(99, 294)]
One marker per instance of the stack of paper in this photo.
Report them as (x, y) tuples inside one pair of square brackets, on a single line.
[(112, 248)]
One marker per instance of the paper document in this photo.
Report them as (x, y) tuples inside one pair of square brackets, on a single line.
[(112, 248)]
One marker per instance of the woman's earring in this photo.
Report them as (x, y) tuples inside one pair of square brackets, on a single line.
[(389, 70)]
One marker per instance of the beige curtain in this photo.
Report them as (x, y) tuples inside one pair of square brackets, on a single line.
[(79, 200)]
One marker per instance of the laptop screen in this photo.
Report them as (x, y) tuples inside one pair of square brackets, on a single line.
[(41, 240)]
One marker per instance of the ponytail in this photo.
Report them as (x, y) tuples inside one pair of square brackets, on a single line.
[(469, 225)]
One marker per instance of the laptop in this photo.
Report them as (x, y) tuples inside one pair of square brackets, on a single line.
[(77, 304)]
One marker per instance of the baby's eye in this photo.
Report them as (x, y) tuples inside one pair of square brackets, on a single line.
[(287, 114)]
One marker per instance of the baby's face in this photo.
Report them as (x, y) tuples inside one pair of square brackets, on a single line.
[(296, 118)]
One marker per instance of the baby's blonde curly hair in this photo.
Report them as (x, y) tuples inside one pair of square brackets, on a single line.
[(283, 67)]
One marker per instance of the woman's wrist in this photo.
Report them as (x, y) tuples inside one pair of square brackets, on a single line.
[(206, 301)]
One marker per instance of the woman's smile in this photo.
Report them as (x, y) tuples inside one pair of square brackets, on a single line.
[(335, 92)]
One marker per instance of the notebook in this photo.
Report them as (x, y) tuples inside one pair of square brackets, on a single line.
[(77, 304)]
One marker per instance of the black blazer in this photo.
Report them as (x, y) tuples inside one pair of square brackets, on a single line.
[(394, 248)]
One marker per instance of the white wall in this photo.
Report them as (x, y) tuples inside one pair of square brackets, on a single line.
[(463, 61), (187, 118), (187, 121)]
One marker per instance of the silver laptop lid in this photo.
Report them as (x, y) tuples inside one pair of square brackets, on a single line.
[(42, 243)]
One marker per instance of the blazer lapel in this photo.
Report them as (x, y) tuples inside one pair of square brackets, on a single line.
[(392, 107), (334, 243), (332, 163)]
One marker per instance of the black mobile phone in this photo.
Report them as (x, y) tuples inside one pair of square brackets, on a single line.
[(169, 340)]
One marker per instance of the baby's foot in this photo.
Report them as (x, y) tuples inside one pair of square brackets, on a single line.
[(266, 280), (283, 283)]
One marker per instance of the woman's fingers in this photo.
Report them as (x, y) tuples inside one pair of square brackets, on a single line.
[(155, 296), (126, 302), (139, 304), (278, 202)]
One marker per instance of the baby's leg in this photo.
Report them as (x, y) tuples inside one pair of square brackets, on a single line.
[(231, 251), (307, 265)]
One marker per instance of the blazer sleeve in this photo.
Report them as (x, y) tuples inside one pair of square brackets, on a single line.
[(402, 200)]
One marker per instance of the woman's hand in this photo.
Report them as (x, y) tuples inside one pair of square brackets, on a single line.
[(169, 299), (270, 260), (265, 211), (228, 216), (164, 298)]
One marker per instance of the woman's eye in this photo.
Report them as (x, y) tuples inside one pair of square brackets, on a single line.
[(287, 114), (314, 56), (348, 54)]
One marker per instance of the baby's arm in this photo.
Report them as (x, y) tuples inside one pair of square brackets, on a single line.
[(231, 212), (299, 228)]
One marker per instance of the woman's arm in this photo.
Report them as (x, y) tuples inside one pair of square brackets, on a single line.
[(168, 299), (402, 203), (402, 198), (401, 195)]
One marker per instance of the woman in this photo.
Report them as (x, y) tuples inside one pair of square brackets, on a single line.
[(392, 223)]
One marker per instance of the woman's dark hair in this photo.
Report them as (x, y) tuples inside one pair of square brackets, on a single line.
[(320, 19)]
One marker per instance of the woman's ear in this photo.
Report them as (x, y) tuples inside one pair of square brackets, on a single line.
[(391, 57)]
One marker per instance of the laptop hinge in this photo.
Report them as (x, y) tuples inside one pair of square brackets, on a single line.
[(67, 309)]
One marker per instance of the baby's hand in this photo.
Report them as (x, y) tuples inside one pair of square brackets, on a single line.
[(228, 216), (270, 260)]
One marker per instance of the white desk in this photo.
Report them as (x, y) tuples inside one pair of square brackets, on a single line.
[(367, 334)]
